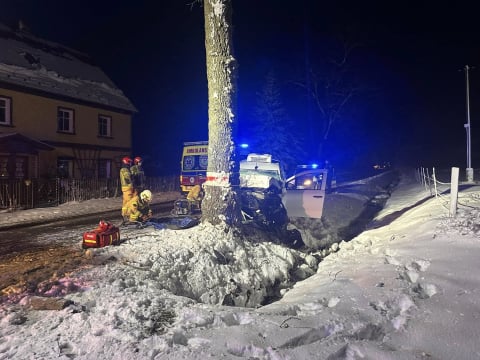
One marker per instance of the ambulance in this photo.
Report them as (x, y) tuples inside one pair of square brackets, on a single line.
[(193, 165)]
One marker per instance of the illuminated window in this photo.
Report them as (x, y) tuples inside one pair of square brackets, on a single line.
[(104, 126), (5, 111), (65, 120)]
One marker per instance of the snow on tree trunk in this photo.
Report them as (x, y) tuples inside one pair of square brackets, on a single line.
[(220, 203)]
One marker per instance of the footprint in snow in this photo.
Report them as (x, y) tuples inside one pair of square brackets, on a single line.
[(410, 276), (425, 291), (420, 265), (392, 261)]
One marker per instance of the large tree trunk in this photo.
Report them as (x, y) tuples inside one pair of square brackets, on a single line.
[(220, 203)]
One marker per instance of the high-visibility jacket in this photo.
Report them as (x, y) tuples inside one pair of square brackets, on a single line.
[(138, 209), (125, 178), (138, 177), (127, 187)]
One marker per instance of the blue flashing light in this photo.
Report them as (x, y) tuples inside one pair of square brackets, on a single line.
[(311, 166), (244, 146)]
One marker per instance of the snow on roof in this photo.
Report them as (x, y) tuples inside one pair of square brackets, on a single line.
[(37, 64)]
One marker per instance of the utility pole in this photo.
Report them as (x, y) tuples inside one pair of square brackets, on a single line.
[(467, 128)]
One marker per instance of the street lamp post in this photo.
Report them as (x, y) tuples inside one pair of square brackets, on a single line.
[(467, 128)]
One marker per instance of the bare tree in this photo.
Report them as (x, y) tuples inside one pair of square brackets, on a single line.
[(220, 204), (332, 89)]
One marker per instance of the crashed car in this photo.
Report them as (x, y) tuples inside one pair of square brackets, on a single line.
[(267, 194), (307, 177), (262, 185), (305, 192)]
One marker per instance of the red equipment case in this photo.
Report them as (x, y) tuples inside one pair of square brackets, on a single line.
[(106, 234)]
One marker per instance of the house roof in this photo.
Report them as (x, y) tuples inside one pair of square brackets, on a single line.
[(18, 143), (40, 65)]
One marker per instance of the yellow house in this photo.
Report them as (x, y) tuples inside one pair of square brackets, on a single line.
[(60, 115)]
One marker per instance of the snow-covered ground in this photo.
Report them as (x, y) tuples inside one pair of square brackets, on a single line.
[(407, 288)]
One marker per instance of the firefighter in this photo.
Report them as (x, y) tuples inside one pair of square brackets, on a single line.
[(126, 182), (138, 175), (194, 198), (138, 208)]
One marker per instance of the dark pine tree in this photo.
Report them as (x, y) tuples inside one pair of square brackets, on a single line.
[(273, 131)]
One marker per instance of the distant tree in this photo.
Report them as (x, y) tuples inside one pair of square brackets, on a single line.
[(220, 204), (332, 86), (274, 132)]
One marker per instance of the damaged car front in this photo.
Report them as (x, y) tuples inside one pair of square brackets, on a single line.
[(262, 186)]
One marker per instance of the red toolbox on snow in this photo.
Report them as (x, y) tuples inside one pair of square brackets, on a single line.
[(106, 234)]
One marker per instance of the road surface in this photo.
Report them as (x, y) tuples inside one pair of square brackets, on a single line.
[(41, 254)]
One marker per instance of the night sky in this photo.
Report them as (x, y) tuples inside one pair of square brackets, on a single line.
[(411, 59)]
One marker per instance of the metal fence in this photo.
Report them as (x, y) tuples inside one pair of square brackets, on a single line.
[(28, 194), (444, 184)]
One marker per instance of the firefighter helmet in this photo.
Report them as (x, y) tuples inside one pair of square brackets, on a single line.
[(137, 160), (126, 160), (103, 225), (146, 195)]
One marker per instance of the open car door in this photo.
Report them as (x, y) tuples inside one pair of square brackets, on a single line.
[(305, 194)]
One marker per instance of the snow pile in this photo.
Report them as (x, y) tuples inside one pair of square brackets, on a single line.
[(210, 265)]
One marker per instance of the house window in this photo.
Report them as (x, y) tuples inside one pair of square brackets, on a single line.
[(4, 167), (104, 169), (64, 167), (65, 120), (104, 126), (13, 167), (5, 111), (20, 167)]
